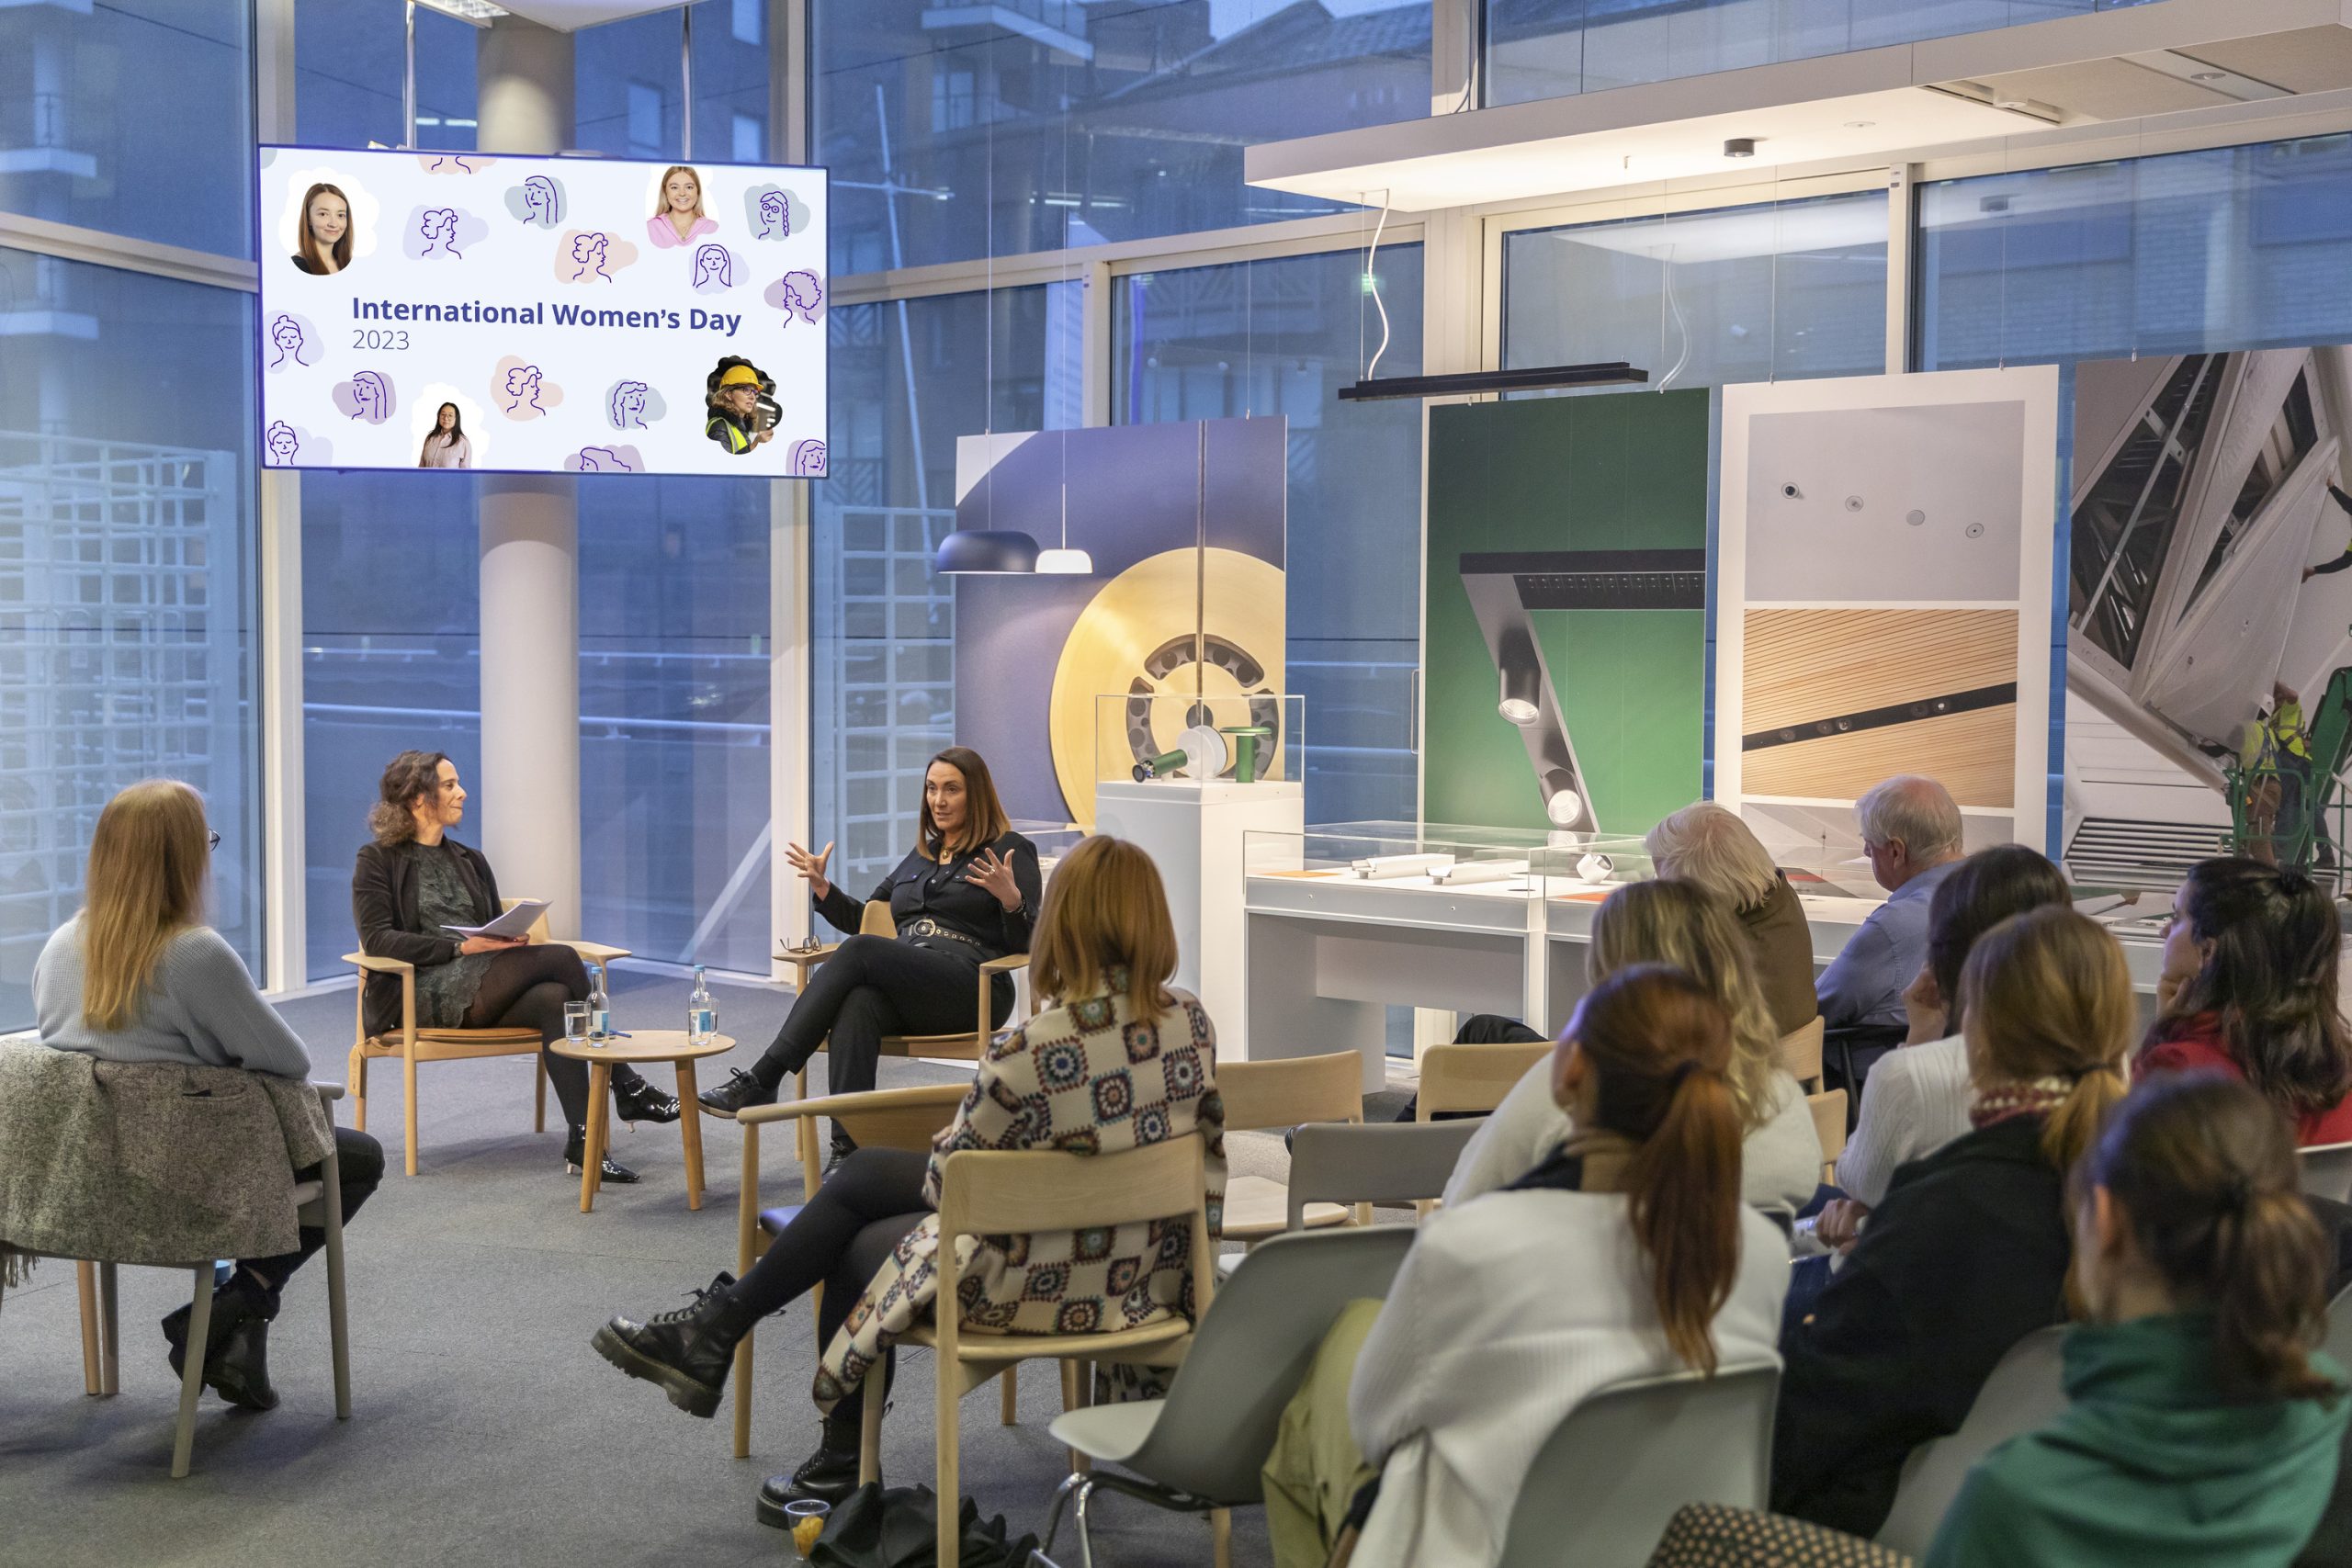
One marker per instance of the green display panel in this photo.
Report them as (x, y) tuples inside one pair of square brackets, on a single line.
[(1618, 473)]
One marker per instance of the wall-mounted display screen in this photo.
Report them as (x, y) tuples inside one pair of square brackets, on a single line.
[(541, 315)]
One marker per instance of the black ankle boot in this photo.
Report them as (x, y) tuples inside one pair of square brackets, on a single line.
[(829, 1475), (576, 1149), (236, 1354), (689, 1351), (638, 1100)]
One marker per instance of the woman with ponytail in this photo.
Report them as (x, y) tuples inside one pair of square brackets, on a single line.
[(1969, 1252), (2249, 989), (1625, 1253), (2203, 1429)]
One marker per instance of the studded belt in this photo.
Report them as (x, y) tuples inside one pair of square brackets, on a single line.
[(926, 926)]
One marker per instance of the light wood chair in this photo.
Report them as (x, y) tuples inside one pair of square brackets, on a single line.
[(1014, 1192), (1829, 1126), (1287, 1092), (964, 1045), (318, 1204), (1473, 1078), (413, 1044), (1800, 1055), (880, 1119)]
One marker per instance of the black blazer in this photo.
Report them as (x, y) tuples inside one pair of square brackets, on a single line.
[(1967, 1256), (918, 886), (383, 906)]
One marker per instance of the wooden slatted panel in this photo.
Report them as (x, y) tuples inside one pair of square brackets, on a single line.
[(1803, 665)]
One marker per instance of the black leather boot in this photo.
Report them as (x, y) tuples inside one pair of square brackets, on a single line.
[(739, 1090), (638, 1100), (236, 1356), (576, 1149), (689, 1351), (829, 1475)]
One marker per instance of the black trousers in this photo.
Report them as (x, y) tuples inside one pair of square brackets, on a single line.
[(525, 988), (876, 986), (359, 1161), (842, 1237)]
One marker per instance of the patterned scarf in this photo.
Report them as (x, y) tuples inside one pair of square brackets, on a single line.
[(2035, 1097)]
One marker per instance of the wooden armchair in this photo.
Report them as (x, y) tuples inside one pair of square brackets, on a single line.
[(1285, 1092), (413, 1044)]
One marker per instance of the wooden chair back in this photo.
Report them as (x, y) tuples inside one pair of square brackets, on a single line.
[(877, 921), (880, 1119), (990, 1192), (1291, 1091), (1829, 1126), (1473, 1077), (1801, 1054)]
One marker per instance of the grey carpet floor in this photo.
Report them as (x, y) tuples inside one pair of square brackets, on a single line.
[(485, 1430)]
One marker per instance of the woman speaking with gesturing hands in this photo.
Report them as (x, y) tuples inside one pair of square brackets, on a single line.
[(966, 892)]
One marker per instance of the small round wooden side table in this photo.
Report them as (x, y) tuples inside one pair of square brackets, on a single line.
[(639, 1047)]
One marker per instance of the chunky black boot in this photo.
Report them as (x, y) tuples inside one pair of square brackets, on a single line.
[(576, 1149), (829, 1475), (236, 1356), (638, 1100), (689, 1351), (740, 1091)]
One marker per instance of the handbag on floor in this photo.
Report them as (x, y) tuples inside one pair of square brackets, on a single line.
[(900, 1528)]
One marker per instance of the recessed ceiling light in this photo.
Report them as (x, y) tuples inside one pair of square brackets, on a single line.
[(1859, 124), (1740, 147), (2207, 75)]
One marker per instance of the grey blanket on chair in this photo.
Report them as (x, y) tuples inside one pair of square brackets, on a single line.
[(148, 1162)]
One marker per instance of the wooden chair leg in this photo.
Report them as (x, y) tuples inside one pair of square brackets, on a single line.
[(1221, 1538), (408, 1106), (804, 1128), (1010, 1409), (199, 1331), (869, 1437), (539, 1095), (747, 1247), (86, 1292), (354, 1076), (338, 1317), (600, 1112), (110, 1332), (949, 1483)]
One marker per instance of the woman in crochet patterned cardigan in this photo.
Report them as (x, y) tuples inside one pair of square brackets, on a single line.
[(1118, 1061)]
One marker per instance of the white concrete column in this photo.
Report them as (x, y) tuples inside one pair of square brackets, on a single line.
[(529, 781)]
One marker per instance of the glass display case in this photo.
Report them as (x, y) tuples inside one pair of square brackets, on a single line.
[(1430, 857)]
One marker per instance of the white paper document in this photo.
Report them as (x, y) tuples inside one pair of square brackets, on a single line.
[(517, 921)]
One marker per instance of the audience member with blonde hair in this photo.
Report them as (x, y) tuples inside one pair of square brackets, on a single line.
[(1708, 844), (1682, 924), (1105, 952), (1625, 1253), (137, 976), (1969, 1252), (2203, 1429)]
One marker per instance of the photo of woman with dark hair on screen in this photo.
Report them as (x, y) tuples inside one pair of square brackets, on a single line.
[(678, 218), (445, 445), (325, 228), (743, 405)]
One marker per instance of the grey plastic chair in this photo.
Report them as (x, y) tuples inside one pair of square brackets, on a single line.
[(2327, 1171), (1201, 1449), (1380, 1162), (2027, 1390), (1605, 1485), (2338, 1342)]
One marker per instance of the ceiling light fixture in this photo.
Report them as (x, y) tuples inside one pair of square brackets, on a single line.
[(2208, 75), (1740, 147), (1063, 561), (1613, 372), (977, 552)]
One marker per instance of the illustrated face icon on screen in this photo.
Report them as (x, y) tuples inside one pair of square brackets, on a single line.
[(523, 388), (776, 216), (809, 458), (283, 442), (287, 334), (371, 400), (603, 460), (589, 251), (438, 229), (802, 294), (628, 406), (713, 266), (540, 202)]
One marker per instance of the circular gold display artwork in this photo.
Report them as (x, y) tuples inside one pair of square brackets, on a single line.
[(1136, 638)]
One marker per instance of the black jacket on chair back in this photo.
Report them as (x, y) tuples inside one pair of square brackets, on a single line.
[(383, 906)]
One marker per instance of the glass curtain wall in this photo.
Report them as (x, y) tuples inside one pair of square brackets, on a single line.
[(127, 581), (909, 377), (2235, 247), (1280, 337), (954, 132), (1700, 299)]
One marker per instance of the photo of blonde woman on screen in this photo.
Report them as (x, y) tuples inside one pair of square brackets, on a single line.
[(678, 218)]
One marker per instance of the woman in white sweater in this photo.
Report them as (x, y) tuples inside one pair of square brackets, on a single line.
[(1695, 930), (1626, 1254)]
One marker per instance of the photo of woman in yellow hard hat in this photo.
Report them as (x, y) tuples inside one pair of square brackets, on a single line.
[(742, 404)]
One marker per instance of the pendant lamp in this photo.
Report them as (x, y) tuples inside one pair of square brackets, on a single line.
[(1063, 561), (972, 552)]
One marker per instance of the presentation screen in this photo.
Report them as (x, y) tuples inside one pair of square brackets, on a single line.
[(541, 315)]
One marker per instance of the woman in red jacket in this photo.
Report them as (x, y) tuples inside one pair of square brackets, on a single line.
[(2249, 989)]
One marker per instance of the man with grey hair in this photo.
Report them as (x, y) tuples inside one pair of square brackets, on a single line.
[(1911, 833)]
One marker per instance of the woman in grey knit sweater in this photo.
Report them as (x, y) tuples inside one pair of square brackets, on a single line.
[(137, 976)]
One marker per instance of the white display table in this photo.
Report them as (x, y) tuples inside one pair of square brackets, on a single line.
[(1195, 833)]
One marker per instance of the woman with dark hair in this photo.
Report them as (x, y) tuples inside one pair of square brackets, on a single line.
[(2203, 1429), (324, 227), (1969, 1252), (445, 445), (966, 892), (413, 882), (1105, 952), (2249, 988), (1627, 1252)]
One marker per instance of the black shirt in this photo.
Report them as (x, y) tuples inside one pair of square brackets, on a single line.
[(920, 886)]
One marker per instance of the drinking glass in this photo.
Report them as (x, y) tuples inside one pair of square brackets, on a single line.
[(575, 1022)]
